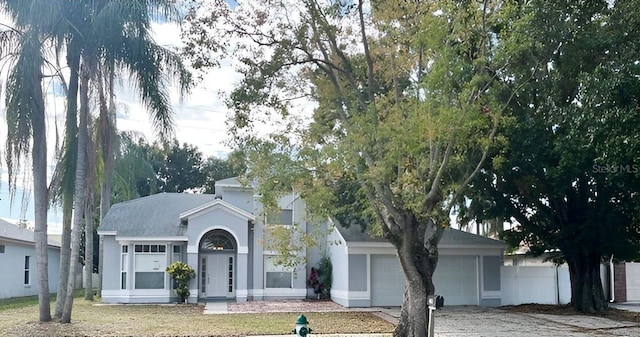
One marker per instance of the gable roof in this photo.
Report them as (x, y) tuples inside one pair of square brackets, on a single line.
[(218, 203), (13, 232), (451, 237), (157, 215)]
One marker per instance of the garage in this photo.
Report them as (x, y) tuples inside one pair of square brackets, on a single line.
[(367, 271), (387, 281), (456, 278)]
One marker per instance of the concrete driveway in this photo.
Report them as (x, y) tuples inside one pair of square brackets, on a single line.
[(474, 321), (460, 321)]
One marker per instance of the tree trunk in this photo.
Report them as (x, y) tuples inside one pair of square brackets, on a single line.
[(88, 252), (40, 200), (70, 157), (587, 294), (65, 255), (418, 256), (79, 195)]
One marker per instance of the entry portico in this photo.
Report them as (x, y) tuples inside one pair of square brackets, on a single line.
[(218, 237)]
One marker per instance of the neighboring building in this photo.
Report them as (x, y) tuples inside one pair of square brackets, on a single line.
[(221, 238), (19, 275), (367, 272)]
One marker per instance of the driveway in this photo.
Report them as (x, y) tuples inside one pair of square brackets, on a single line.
[(463, 321)]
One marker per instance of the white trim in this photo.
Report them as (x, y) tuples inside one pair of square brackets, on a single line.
[(351, 295), (242, 293), (244, 250), (209, 229), (107, 232), (285, 292), (256, 292), (137, 293), (163, 239), (219, 203)]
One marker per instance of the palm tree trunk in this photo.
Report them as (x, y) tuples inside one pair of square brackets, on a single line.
[(40, 200), (79, 197), (70, 157), (88, 251)]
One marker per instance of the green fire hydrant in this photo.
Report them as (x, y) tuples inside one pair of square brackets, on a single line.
[(302, 327)]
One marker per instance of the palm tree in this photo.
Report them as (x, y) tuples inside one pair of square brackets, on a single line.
[(26, 116), (118, 39)]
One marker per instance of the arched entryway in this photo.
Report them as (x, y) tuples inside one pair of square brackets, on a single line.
[(217, 259)]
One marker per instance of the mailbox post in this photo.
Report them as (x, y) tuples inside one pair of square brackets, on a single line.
[(434, 302)]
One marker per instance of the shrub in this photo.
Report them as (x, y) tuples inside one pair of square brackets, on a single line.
[(182, 273)]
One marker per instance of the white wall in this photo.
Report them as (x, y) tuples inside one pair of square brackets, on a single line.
[(535, 284), (633, 281), (542, 284)]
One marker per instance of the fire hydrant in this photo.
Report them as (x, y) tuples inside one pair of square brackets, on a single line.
[(302, 327)]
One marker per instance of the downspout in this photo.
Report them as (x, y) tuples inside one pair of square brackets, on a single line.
[(612, 287)]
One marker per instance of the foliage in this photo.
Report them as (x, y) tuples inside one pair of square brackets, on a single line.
[(566, 180), (182, 273), (325, 269), (404, 100)]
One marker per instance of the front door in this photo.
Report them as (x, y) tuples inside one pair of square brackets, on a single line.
[(219, 275)]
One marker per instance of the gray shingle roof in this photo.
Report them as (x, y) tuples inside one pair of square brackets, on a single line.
[(153, 216), (451, 237)]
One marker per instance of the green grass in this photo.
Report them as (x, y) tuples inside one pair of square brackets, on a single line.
[(21, 302), (89, 319)]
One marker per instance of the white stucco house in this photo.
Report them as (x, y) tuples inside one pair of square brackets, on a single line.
[(18, 262), (221, 238)]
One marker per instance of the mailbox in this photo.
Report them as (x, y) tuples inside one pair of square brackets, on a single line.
[(435, 301)]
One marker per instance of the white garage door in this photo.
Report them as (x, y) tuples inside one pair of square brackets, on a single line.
[(456, 278), (387, 281)]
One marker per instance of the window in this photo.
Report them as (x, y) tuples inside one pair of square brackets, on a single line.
[(150, 262), (1, 249), (282, 217), (230, 274), (203, 275), (124, 266), (27, 271), (177, 253), (276, 276)]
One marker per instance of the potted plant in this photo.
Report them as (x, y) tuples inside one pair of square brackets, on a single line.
[(181, 273)]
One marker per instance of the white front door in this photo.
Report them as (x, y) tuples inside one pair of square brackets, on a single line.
[(219, 277)]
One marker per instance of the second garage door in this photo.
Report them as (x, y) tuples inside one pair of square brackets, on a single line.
[(455, 278)]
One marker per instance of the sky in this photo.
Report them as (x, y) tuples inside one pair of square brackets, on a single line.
[(200, 120)]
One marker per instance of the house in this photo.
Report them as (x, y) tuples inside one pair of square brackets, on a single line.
[(18, 255), (221, 237), (367, 272)]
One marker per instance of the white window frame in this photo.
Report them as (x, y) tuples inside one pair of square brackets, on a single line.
[(124, 266), (281, 269), (150, 251), (27, 270)]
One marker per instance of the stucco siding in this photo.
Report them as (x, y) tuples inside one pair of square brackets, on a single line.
[(358, 272), (240, 198), (13, 259), (339, 260), (111, 265)]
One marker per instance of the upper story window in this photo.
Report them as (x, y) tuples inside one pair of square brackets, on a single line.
[(281, 217), (1, 249)]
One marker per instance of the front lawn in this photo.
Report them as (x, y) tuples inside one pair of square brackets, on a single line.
[(89, 319)]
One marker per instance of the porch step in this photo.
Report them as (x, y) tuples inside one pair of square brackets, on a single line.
[(216, 307)]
